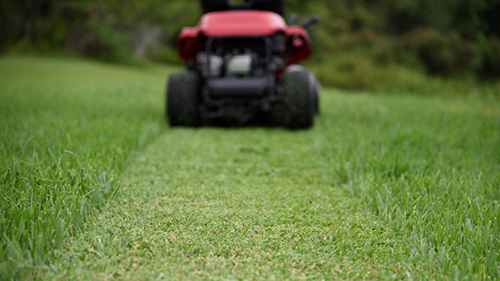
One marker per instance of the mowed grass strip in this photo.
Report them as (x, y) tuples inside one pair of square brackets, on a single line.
[(66, 130), (381, 188), (234, 204)]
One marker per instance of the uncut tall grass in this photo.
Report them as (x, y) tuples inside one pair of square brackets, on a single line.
[(430, 169), (66, 130)]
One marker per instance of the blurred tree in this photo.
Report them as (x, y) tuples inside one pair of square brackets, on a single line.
[(437, 34)]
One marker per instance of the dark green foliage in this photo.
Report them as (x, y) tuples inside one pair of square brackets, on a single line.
[(107, 30), (359, 44), (441, 53), (488, 65)]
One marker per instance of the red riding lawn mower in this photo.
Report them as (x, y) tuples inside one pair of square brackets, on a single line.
[(242, 67)]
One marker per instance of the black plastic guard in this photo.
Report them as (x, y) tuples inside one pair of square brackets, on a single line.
[(240, 87)]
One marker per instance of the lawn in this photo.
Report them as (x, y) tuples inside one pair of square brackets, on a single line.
[(67, 129), (95, 185)]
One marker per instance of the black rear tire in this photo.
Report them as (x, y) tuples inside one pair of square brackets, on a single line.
[(315, 90), (183, 99), (298, 100)]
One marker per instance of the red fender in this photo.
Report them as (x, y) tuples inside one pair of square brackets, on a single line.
[(188, 43)]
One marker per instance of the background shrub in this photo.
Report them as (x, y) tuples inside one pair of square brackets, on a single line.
[(444, 37)]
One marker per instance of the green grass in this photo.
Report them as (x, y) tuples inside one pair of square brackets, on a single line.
[(382, 187), (66, 130), (233, 204)]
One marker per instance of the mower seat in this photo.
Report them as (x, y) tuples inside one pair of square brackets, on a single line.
[(226, 5)]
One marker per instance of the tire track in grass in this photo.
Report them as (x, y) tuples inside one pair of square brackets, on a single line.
[(247, 203)]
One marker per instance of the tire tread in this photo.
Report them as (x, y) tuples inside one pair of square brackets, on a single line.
[(182, 99), (298, 102)]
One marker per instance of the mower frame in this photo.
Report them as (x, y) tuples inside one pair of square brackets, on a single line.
[(250, 75)]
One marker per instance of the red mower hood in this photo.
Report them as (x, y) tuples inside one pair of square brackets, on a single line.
[(241, 23)]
